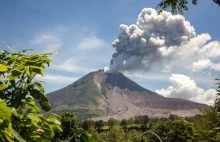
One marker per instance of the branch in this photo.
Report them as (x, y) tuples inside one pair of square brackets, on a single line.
[(217, 2)]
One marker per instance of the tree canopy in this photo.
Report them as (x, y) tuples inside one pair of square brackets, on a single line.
[(178, 6)]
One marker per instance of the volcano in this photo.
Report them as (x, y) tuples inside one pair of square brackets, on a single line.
[(100, 95)]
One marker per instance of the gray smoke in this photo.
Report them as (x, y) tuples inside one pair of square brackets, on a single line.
[(156, 40)]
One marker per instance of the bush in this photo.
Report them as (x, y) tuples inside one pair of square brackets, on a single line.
[(20, 117)]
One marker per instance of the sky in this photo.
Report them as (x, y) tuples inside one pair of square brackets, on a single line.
[(82, 33)]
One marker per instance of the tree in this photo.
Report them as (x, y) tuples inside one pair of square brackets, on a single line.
[(178, 130), (217, 105), (178, 6), (116, 134), (144, 122), (137, 119), (87, 124), (20, 117), (98, 125), (173, 117), (112, 122), (124, 123), (72, 129), (205, 124)]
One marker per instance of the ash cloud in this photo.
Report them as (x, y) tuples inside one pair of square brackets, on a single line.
[(166, 40)]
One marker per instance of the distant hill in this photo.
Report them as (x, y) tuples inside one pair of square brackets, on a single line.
[(100, 95)]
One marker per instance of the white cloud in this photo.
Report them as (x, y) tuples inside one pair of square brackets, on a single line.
[(91, 41), (201, 64), (56, 79), (216, 67), (48, 42), (70, 65), (186, 88), (204, 64)]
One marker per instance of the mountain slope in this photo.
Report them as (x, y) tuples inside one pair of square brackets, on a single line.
[(101, 95)]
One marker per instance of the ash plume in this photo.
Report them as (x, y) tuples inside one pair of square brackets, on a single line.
[(165, 40)]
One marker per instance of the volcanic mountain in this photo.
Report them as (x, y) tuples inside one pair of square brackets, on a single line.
[(100, 95)]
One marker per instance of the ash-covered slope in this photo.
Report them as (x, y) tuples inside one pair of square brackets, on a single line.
[(101, 95)]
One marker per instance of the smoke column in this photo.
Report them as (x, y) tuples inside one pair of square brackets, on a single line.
[(164, 40)]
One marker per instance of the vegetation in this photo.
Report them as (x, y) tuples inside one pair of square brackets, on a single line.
[(20, 117), (83, 107), (178, 6), (72, 130)]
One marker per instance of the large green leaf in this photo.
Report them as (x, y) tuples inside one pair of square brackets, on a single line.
[(3, 68), (16, 135), (53, 120), (5, 112), (7, 135), (3, 86), (3, 79), (34, 117)]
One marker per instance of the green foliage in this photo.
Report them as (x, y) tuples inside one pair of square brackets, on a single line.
[(116, 134), (178, 6), (144, 122), (204, 125), (178, 130), (112, 122), (124, 123), (85, 106), (87, 124), (72, 130), (217, 105), (98, 125), (20, 117)]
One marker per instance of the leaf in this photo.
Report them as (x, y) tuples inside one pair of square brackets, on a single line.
[(14, 112), (7, 135), (4, 79), (48, 62), (9, 47), (58, 128), (27, 49), (34, 117), (55, 115), (39, 86), (3, 68), (12, 77), (31, 105), (53, 120), (3, 86), (5, 112), (86, 137), (45, 105), (42, 99), (28, 71), (35, 69), (16, 135)]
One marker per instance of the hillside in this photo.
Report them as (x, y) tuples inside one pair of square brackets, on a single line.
[(101, 95)]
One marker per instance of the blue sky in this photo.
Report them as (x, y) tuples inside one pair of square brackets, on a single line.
[(82, 33)]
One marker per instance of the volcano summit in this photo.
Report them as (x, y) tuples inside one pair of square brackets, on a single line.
[(100, 95)]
